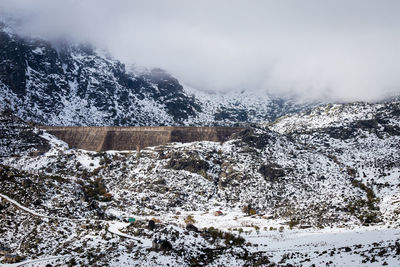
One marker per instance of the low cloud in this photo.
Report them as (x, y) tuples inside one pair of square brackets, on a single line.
[(336, 50)]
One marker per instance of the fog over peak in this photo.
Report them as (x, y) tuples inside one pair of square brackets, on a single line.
[(331, 50)]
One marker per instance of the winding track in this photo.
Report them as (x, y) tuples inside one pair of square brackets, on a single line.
[(113, 227)]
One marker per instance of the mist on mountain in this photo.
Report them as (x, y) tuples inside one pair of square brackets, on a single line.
[(335, 50)]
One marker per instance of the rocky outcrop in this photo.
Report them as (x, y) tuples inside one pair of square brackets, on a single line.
[(17, 137), (271, 172)]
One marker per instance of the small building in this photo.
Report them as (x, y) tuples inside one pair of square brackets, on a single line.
[(218, 213), (131, 220)]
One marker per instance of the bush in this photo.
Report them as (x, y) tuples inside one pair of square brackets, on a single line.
[(249, 210), (351, 172), (95, 189), (293, 223), (229, 238), (365, 210), (189, 219)]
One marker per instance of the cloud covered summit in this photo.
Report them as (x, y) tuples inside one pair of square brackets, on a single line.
[(336, 50)]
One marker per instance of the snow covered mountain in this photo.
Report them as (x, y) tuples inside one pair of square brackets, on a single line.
[(297, 187), (65, 84), (318, 187)]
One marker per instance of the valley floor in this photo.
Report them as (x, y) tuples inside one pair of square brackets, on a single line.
[(358, 246), (341, 247), (333, 247)]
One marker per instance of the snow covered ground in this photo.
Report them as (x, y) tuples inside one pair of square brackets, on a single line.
[(326, 192)]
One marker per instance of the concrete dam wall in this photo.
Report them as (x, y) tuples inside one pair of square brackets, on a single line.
[(133, 138)]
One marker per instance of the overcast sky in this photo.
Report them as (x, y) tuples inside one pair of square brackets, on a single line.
[(342, 50)]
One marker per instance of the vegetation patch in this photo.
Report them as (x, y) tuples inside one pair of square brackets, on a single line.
[(366, 211)]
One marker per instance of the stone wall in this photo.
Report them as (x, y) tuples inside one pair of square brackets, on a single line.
[(133, 138)]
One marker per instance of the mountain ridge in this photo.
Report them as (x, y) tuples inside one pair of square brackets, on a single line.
[(80, 85)]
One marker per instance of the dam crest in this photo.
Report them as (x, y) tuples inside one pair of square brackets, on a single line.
[(102, 138)]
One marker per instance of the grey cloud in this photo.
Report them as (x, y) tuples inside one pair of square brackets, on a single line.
[(340, 50)]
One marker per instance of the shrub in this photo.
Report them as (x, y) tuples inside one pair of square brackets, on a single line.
[(95, 189), (229, 238), (293, 223), (351, 172), (249, 210), (189, 219)]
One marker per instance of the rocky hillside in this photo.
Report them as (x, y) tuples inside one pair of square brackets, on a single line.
[(18, 138), (73, 84), (344, 117), (309, 173)]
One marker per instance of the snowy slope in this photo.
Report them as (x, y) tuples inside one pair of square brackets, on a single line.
[(18, 138), (335, 115), (300, 197), (241, 107)]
